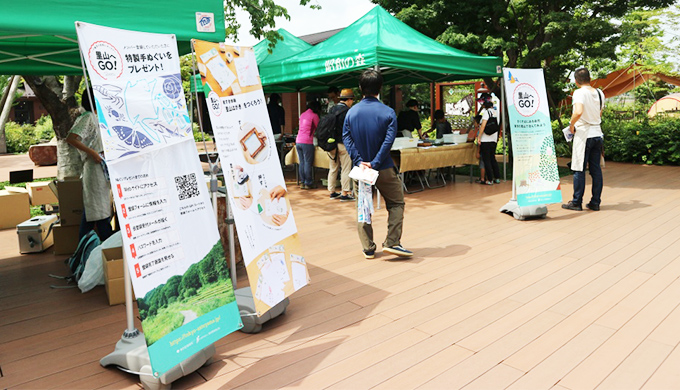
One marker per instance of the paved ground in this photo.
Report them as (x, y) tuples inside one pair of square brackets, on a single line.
[(579, 300), (18, 162)]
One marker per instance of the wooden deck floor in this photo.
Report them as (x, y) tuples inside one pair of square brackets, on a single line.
[(580, 300)]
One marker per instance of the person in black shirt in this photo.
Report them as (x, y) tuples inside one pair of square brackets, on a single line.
[(441, 124), (277, 115), (409, 119)]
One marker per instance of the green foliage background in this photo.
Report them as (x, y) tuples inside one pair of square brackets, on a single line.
[(21, 137)]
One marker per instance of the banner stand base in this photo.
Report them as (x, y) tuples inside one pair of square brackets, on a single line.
[(246, 306), (131, 355), (524, 212)]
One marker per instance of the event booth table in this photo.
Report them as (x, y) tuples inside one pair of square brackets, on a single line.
[(432, 157), (411, 159)]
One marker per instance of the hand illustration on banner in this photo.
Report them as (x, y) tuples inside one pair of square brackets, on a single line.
[(273, 206)]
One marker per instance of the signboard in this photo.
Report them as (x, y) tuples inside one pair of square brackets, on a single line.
[(170, 238), (255, 185), (535, 174)]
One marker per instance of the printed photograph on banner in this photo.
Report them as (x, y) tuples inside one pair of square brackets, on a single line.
[(254, 143), (276, 273), (205, 286), (227, 70)]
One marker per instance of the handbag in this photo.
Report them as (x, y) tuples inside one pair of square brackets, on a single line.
[(492, 126)]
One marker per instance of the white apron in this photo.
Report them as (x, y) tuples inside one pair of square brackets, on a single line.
[(578, 149)]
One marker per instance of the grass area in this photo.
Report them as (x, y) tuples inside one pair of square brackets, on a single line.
[(35, 210), (169, 318), (4, 184)]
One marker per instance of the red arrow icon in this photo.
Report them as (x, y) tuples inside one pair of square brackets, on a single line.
[(128, 230), (138, 271), (120, 191), (124, 210), (133, 251)]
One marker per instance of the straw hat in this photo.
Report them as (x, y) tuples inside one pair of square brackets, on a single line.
[(347, 93)]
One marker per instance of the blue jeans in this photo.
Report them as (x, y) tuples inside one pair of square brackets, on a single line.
[(306, 156), (592, 160)]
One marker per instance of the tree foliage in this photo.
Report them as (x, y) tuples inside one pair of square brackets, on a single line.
[(211, 269), (557, 36)]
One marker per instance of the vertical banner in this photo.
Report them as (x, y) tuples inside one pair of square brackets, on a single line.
[(170, 239), (255, 185), (534, 161)]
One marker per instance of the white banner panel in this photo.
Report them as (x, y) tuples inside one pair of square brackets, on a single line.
[(170, 238)]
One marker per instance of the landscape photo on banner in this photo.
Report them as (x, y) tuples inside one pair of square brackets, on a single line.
[(256, 189), (535, 173), (170, 239)]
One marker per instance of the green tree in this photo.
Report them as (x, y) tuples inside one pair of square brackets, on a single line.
[(191, 278), (557, 36)]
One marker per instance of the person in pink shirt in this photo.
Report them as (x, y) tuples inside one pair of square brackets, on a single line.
[(304, 143)]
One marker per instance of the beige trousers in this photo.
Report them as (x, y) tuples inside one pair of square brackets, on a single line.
[(390, 188), (344, 161)]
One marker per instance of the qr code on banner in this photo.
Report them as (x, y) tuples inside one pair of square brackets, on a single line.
[(187, 186)]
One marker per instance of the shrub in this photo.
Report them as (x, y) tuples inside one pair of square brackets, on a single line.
[(21, 137), (641, 140)]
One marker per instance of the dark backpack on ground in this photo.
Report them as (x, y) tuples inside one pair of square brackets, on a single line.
[(326, 130), (76, 263), (492, 126)]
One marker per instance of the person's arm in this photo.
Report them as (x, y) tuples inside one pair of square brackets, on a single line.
[(74, 140), (384, 151), (481, 131), (349, 144), (575, 116), (418, 126)]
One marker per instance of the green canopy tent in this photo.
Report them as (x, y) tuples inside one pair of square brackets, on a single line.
[(284, 48), (41, 40), (377, 39)]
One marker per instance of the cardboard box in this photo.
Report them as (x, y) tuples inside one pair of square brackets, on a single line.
[(14, 207), (65, 239), (70, 194), (113, 262), (40, 193), (115, 291), (114, 266)]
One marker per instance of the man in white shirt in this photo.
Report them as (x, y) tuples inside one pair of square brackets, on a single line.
[(588, 103)]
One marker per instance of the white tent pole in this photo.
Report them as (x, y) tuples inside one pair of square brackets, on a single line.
[(505, 135), (11, 90)]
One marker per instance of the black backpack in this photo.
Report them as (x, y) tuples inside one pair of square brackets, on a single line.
[(492, 126), (326, 131)]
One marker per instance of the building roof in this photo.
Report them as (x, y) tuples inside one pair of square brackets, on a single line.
[(319, 37)]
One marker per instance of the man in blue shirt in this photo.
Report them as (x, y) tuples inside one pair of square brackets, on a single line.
[(368, 134)]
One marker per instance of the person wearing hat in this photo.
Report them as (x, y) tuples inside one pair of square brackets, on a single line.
[(339, 158), (409, 120)]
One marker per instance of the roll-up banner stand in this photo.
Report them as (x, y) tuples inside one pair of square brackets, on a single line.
[(256, 188), (536, 181), (170, 237)]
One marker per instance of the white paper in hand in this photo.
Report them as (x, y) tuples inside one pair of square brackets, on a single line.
[(366, 175), (568, 134)]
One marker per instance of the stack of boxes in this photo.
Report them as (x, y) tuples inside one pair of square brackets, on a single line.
[(70, 193)]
